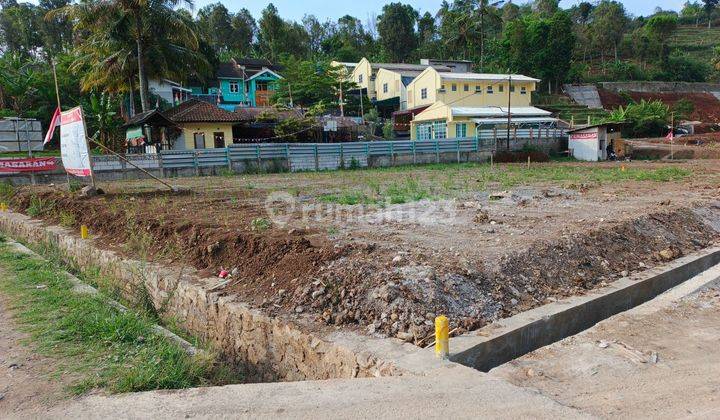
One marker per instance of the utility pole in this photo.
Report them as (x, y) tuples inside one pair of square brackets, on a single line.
[(362, 110), (342, 109), (508, 110)]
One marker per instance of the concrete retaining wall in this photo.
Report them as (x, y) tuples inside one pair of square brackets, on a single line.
[(267, 349), (510, 338), (659, 87)]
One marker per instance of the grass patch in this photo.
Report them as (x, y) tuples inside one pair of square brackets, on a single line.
[(437, 181), (98, 345)]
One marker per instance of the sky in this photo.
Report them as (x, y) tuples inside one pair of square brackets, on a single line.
[(323, 9)]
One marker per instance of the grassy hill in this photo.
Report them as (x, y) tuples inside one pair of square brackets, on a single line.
[(696, 42)]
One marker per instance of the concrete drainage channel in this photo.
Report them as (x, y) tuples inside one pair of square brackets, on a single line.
[(272, 349)]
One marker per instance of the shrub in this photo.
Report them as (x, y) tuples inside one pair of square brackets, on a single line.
[(643, 119)]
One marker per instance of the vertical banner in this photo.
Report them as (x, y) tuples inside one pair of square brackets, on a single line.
[(73, 143)]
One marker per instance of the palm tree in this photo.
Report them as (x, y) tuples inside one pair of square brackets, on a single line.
[(151, 26)]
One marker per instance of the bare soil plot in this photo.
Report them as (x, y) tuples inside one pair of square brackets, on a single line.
[(386, 250)]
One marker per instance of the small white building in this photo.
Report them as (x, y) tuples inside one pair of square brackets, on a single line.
[(591, 143), (170, 91)]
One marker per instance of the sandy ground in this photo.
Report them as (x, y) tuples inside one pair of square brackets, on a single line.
[(24, 380), (659, 360)]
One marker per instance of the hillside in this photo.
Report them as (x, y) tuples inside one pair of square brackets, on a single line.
[(696, 42)]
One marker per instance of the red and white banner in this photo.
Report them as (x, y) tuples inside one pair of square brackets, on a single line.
[(73, 143), (54, 122), (583, 136), (28, 164)]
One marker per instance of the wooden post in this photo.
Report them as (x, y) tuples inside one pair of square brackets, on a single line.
[(458, 149), (317, 158)]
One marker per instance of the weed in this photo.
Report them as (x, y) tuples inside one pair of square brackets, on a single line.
[(349, 198), (332, 230), (67, 219), (74, 185), (39, 206), (106, 348), (226, 172), (260, 224), (6, 190)]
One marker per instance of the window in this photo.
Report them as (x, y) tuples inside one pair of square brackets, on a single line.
[(466, 87), (199, 140), (423, 93), (490, 90), (512, 88), (385, 87), (478, 89), (360, 78), (219, 139), (454, 87), (523, 91), (440, 129), (460, 130), (234, 87), (423, 131), (501, 88)]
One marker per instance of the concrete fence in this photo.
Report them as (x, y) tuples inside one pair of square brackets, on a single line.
[(284, 157)]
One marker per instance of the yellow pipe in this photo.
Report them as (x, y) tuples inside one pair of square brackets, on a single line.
[(84, 231), (442, 340)]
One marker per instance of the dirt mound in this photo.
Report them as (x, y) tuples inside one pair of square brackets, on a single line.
[(177, 232), (401, 299), (707, 107)]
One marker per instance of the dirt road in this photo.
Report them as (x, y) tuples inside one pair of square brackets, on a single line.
[(24, 381), (659, 360)]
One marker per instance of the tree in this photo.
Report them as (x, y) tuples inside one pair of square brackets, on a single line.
[(692, 11), (215, 22), (709, 7), (244, 31), (546, 7), (277, 37), (155, 28), (396, 27), (309, 83), (660, 27), (609, 22)]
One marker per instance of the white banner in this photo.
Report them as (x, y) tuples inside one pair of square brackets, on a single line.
[(73, 143)]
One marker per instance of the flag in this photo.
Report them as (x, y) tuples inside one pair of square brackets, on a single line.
[(54, 122), (670, 135)]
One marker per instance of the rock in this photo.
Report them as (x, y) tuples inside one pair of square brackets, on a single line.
[(281, 292), (404, 336), (88, 191), (299, 309), (317, 293), (2, 396), (603, 344), (653, 357), (642, 265), (398, 260), (624, 273), (667, 254), (513, 302), (213, 247)]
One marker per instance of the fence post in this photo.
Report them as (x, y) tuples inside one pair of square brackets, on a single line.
[(257, 154), (458, 149), (227, 157), (437, 151), (515, 135), (477, 143), (531, 135), (317, 158), (392, 154), (196, 163), (367, 153), (413, 150), (342, 156), (160, 165), (287, 156)]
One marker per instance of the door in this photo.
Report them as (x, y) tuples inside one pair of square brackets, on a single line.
[(199, 140), (262, 93), (219, 139)]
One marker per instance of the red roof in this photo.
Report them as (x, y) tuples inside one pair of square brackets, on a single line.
[(195, 110)]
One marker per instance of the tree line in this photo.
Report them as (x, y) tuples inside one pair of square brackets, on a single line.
[(113, 47)]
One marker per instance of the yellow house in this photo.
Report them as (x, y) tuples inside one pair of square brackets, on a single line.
[(365, 76), (202, 125), (457, 103)]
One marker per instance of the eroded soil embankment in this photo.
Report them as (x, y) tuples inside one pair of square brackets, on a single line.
[(301, 271)]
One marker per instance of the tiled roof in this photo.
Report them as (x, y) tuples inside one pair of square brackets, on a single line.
[(195, 110), (249, 114), (153, 117), (229, 70)]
